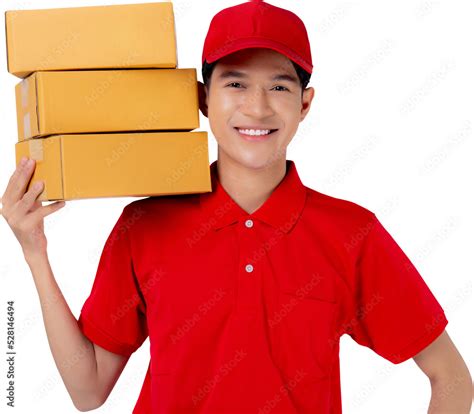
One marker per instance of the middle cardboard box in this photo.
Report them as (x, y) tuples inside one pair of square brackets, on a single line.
[(95, 101)]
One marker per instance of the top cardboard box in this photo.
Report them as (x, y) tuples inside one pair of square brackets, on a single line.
[(97, 37)]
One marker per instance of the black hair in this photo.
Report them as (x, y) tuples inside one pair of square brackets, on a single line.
[(303, 75)]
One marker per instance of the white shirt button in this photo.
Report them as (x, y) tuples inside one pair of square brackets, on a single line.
[(249, 268), (249, 223)]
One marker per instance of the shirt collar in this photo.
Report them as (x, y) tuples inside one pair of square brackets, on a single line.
[(281, 209)]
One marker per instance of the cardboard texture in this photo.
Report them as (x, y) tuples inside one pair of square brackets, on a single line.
[(117, 165), (91, 101), (94, 37), (102, 107)]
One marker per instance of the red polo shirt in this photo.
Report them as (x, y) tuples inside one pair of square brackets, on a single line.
[(244, 311)]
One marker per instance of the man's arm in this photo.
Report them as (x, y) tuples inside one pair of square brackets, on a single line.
[(451, 382), (88, 371)]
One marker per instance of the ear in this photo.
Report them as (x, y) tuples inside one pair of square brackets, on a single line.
[(306, 99), (202, 94)]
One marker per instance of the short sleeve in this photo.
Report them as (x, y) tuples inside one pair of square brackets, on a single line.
[(114, 314), (395, 313)]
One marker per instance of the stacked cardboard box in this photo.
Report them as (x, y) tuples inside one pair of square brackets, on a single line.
[(102, 107)]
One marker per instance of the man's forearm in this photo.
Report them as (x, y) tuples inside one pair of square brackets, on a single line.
[(73, 353), (451, 394)]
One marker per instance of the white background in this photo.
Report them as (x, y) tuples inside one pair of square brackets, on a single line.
[(390, 128)]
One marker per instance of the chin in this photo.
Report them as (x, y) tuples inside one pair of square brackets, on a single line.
[(255, 160)]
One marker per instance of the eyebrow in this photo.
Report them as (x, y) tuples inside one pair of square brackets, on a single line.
[(237, 74)]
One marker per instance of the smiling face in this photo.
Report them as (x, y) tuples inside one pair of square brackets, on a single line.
[(254, 89)]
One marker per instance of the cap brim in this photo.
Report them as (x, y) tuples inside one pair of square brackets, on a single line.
[(247, 43)]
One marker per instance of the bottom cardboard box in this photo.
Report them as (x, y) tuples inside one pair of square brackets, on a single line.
[(139, 164)]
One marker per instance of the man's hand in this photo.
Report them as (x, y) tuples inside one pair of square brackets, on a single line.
[(23, 212)]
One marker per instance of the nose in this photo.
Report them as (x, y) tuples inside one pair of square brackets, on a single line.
[(256, 105)]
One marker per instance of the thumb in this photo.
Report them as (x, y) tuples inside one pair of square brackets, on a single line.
[(50, 208)]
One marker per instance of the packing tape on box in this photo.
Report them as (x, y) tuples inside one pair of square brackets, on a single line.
[(24, 92), (26, 126), (36, 149)]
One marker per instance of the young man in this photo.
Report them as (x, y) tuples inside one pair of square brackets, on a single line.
[(244, 292)]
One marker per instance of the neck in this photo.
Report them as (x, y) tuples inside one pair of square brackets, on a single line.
[(249, 187)]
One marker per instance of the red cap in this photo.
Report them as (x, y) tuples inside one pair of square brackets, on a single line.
[(258, 24)]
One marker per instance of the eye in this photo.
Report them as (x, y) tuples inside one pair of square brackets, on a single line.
[(233, 83), (284, 87)]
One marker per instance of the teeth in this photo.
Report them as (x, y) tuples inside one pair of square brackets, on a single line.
[(254, 132)]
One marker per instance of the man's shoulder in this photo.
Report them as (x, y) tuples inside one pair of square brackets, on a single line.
[(160, 216), (164, 204), (339, 211)]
